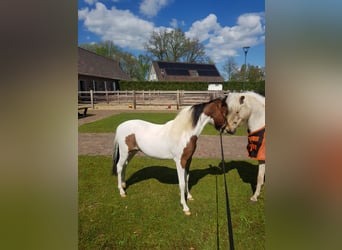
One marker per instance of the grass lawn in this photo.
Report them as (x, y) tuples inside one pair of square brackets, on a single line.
[(109, 124), (151, 217)]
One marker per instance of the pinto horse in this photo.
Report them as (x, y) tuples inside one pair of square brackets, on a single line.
[(175, 140), (249, 107)]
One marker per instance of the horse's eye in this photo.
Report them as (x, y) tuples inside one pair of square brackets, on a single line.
[(237, 112)]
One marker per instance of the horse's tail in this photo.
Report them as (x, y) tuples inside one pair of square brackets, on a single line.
[(115, 156)]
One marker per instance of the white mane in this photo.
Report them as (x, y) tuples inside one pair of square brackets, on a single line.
[(234, 102), (182, 122)]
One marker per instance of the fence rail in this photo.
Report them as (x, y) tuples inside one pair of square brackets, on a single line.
[(147, 98)]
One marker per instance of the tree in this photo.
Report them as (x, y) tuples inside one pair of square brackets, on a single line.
[(230, 67), (174, 46), (144, 65), (253, 74), (107, 49), (134, 67)]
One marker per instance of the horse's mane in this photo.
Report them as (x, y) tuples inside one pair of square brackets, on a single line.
[(182, 121), (188, 117), (233, 98)]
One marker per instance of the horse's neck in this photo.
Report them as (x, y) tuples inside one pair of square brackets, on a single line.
[(257, 117), (203, 120), (185, 128)]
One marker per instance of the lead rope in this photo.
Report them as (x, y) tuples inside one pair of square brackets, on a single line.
[(229, 218)]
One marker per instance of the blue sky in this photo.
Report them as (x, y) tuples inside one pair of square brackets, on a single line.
[(223, 26)]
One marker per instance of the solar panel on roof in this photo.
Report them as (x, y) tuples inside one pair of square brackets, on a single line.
[(177, 72), (208, 73), (186, 66), (184, 69)]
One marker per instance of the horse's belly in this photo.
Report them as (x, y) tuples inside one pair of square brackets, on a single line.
[(154, 149)]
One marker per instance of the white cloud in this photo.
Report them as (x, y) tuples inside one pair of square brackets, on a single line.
[(150, 8), (221, 42), (131, 32), (120, 26), (204, 28), (175, 24)]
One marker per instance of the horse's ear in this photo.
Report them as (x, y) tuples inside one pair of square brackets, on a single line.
[(242, 98)]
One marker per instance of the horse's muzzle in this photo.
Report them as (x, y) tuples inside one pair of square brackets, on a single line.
[(229, 129), (230, 132)]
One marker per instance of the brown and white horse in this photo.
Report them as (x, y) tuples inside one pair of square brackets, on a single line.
[(249, 107), (175, 140)]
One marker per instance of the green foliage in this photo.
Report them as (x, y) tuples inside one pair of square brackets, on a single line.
[(150, 217), (258, 87), (135, 67), (109, 124), (151, 85), (174, 46)]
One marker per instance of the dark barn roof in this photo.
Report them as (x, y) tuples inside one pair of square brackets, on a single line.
[(189, 72), (92, 64)]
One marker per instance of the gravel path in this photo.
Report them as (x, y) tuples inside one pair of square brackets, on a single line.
[(208, 146)]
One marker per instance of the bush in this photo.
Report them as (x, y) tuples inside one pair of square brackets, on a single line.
[(258, 87)]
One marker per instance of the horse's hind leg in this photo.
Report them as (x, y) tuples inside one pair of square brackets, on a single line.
[(121, 166), (261, 174), (131, 154)]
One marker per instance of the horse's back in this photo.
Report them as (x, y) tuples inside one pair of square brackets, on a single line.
[(136, 126)]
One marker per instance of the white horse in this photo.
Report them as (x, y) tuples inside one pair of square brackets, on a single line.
[(175, 140), (249, 107)]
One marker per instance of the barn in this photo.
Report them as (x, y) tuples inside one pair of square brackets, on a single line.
[(98, 73)]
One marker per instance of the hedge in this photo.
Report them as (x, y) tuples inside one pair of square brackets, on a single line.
[(258, 87)]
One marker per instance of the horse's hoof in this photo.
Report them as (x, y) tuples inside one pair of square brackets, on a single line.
[(253, 200), (123, 195), (187, 212), (190, 199)]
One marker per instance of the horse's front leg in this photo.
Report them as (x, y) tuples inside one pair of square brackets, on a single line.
[(187, 170), (182, 187), (261, 175)]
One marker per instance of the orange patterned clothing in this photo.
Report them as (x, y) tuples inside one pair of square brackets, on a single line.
[(256, 146)]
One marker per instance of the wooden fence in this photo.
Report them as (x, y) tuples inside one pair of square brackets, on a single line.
[(147, 98)]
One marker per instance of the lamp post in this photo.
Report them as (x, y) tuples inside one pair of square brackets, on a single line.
[(245, 49)]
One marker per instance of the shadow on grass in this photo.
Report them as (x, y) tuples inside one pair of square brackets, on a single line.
[(247, 172), (162, 174)]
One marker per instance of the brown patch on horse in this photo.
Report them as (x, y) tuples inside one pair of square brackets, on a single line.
[(218, 110), (131, 143), (188, 151)]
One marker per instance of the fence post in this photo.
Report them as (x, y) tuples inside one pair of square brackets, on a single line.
[(178, 99), (106, 92), (92, 98), (134, 100)]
